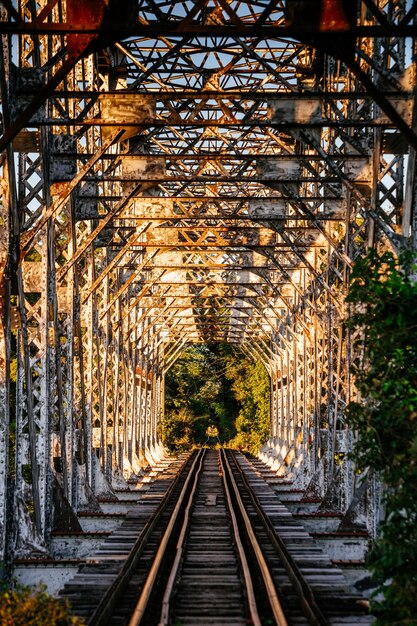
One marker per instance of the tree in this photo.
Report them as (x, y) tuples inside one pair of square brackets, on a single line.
[(383, 298), (214, 385), (251, 388), (197, 396)]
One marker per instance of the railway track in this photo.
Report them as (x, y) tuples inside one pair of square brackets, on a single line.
[(221, 550)]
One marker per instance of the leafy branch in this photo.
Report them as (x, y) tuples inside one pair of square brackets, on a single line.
[(383, 318)]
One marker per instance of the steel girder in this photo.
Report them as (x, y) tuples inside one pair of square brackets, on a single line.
[(182, 172)]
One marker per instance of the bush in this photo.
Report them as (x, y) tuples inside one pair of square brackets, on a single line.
[(177, 430), (25, 606)]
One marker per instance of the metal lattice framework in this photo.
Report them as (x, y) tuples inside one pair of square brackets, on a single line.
[(183, 172)]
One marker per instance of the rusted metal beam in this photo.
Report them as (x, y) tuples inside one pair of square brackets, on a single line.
[(155, 29)]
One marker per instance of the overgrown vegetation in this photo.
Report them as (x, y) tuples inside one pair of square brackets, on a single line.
[(251, 388), (24, 606), (215, 385), (383, 298)]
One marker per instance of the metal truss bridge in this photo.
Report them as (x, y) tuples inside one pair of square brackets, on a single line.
[(189, 172)]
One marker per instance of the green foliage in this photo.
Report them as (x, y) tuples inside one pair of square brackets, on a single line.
[(33, 255), (251, 387), (24, 606), (179, 429), (197, 395), (214, 385), (383, 299)]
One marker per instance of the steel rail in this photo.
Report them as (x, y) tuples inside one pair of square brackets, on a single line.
[(169, 589), (263, 566), (164, 619), (103, 610), (301, 586), (145, 595)]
